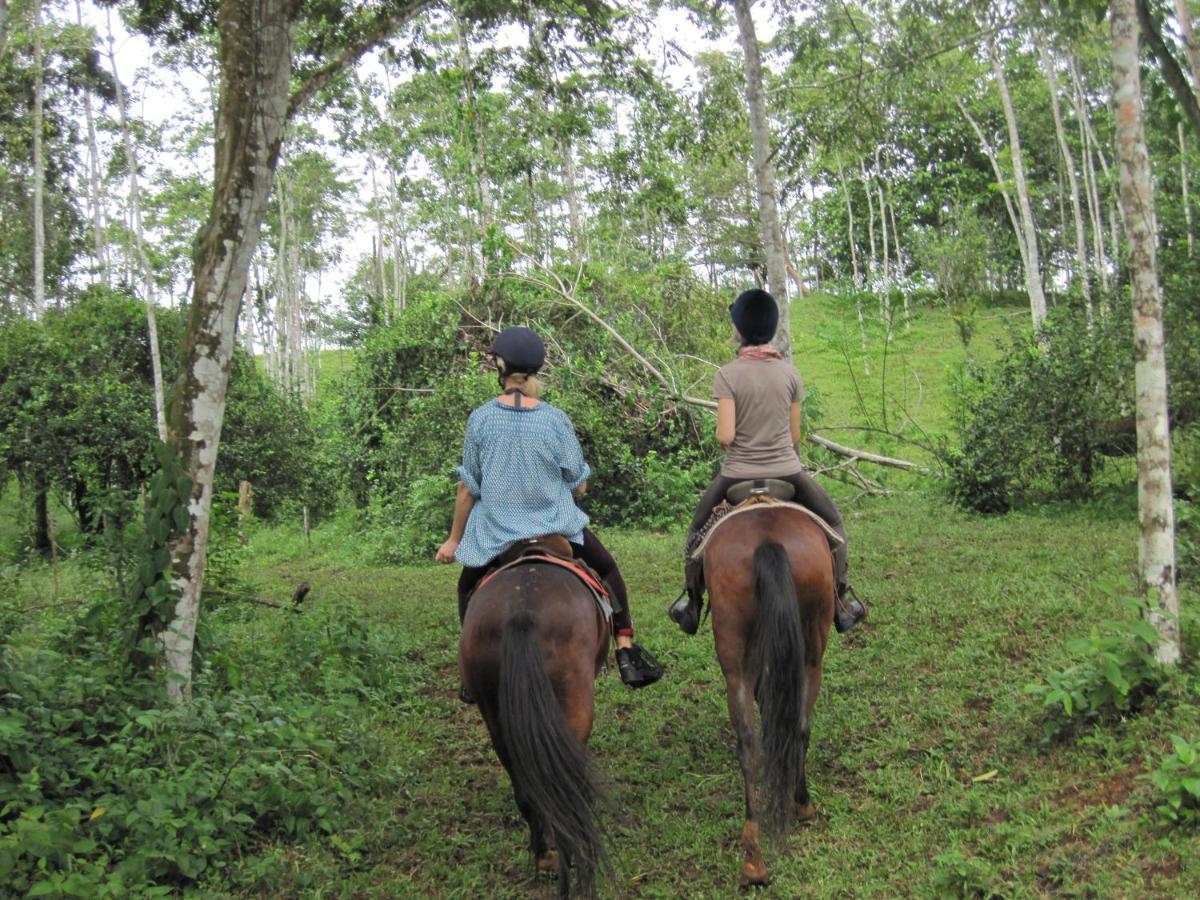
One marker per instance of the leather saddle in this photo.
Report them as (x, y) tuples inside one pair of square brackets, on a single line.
[(546, 545), (741, 491), (552, 549)]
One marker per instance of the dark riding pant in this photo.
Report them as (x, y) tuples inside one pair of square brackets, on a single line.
[(809, 494), (592, 552)]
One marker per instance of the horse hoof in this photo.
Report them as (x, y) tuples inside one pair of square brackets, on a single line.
[(548, 862), (754, 874), (806, 813)]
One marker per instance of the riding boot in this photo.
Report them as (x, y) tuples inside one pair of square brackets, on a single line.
[(848, 613), (686, 613), (637, 667), (464, 598)]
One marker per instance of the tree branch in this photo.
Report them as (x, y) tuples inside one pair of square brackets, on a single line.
[(384, 28), (1168, 65), (568, 294)]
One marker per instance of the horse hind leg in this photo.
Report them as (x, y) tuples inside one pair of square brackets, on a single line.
[(741, 714)]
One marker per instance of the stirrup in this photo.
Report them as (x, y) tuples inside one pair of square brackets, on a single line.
[(637, 667), (848, 613), (685, 614)]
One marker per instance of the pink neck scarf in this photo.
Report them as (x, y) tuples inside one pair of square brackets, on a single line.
[(759, 351)]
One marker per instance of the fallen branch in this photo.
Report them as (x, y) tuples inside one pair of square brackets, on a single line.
[(555, 285)]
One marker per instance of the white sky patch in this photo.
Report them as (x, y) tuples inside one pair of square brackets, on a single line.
[(176, 98)]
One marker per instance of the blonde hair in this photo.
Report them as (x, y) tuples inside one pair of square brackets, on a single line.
[(530, 385)]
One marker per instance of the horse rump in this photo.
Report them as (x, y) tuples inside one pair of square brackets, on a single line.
[(551, 774)]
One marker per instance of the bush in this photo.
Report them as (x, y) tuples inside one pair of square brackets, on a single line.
[(1115, 674), (1178, 784), (402, 410), (105, 793), (1036, 424)]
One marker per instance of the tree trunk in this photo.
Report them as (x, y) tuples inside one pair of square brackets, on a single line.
[(39, 168), (850, 225), (1033, 268), (41, 514), (872, 263), (1183, 178), (764, 175), (95, 189), (256, 64), (3, 27), (135, 212), (1081, 260), (1183, 16), (1156, 557), (1013, 216)]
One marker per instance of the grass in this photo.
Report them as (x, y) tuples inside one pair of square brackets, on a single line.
[(917, 703), (903, 386), (920, 705)]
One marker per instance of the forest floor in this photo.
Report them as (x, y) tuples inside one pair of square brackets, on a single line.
[(929, 764)]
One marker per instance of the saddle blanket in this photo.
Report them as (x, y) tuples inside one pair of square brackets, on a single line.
[(576, 568), (755, 504)]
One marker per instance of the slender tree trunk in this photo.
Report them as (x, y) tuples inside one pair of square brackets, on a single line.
[(397, 257), (764, 175), (1081, 261), (574, 209), (41, 514), (3, 28), (95, 189), (255, 60), (1155, 507), (1033, 270), (1001, 182), (850, 225), (135, 212), (1183, 16), (39, 168), (1183, 178), (872, 260)]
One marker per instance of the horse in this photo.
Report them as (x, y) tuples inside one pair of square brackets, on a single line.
[(533, 640), (772, 593)]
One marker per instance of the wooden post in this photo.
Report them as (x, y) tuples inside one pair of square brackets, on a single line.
[(245, 508), (307, 537)]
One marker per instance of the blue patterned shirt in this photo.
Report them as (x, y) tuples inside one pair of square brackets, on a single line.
[(521, 466)]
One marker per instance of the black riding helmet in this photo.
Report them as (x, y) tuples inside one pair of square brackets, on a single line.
[(755, 315), (518, 349)]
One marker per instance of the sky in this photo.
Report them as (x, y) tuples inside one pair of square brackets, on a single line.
[(159, 97)]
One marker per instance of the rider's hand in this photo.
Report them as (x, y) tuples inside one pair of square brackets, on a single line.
[(445, 553)]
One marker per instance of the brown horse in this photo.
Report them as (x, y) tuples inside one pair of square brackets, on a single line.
[(771, 583), (533, 641)]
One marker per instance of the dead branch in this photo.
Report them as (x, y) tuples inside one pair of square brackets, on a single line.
[(554, 284)]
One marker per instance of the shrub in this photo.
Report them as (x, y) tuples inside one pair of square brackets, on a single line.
[(1115, 673), (105, 793), (1037, 423), (1178, 783)]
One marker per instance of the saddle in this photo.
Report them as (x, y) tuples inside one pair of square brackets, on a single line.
[(744, 496), (551, 549)]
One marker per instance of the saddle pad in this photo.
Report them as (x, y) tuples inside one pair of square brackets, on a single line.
[(759, 503), (593, 584)]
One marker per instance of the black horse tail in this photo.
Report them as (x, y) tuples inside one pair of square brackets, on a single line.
[(778, 653), (549, 766)]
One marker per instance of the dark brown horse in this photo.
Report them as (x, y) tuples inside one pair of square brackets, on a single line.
[(533, 641), (771, 583)]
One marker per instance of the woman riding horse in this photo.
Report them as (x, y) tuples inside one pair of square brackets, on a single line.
[(758, 424), (522, 468)]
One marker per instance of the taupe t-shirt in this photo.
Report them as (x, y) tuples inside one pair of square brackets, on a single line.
[(762, 391)]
